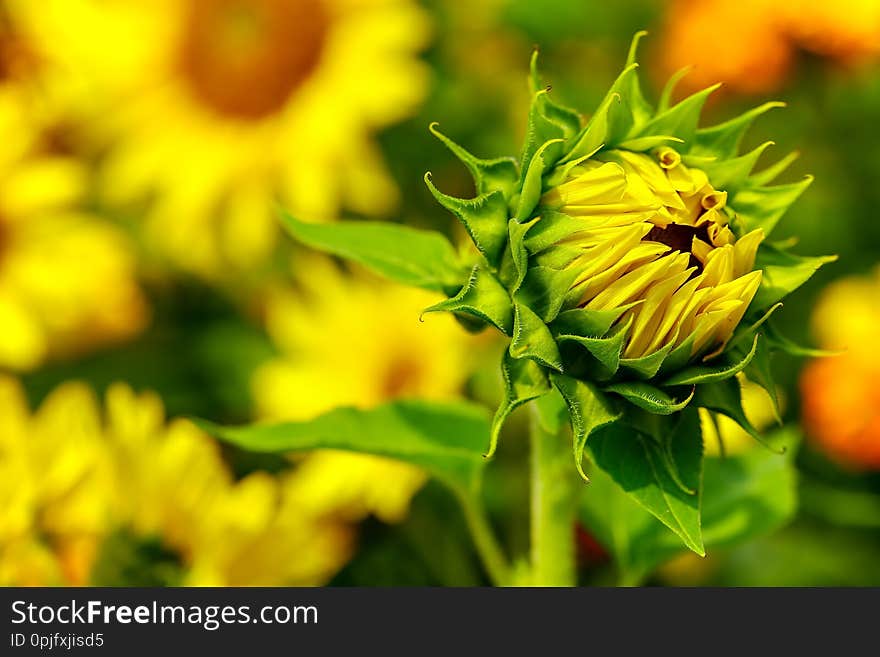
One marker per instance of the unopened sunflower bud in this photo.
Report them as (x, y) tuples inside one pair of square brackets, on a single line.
[(629, 253)]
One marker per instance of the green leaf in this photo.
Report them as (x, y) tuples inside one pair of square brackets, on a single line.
[(636, 464), (500, 174), (484, 218), (648, 397), (744, 496), (783, 274), (705, 373), (589, 410), (447, 439), (524, 380), (763, 207), (406, 255), (532, 339), (483, 296)]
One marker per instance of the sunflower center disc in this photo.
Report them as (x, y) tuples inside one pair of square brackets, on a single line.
[(244, 58)]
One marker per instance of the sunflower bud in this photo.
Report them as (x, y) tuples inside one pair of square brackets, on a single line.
[(627, 258)]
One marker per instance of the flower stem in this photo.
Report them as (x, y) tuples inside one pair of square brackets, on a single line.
[(487, 546), (554, 498)]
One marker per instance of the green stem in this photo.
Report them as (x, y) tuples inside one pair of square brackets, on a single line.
[(554, 498), (488, 549)]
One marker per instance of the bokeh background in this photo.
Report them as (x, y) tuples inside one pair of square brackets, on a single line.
[(145, 146)]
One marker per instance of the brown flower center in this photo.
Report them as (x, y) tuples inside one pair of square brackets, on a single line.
[(244, 58), (5, 239), (402, 378), (680, 237)]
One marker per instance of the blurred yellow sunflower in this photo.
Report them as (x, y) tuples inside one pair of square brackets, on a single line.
[(67, 278), (353, 340), (121, 497), (218, 107), (841, 398)]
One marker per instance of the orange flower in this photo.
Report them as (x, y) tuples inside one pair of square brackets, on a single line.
[(750, 44), (841, 398)]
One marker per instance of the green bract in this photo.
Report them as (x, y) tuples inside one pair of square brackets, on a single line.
[(627, 260)]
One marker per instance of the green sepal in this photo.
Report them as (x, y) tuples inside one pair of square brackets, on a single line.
[(730, 174), (783, 273), (499, 174), (568, 119), (611, 122), (532, 188), (639, 108), (606, 349), (484, 297), (763, 207), (524, 380), (642, 144), (403, 254), (678, 357), (586, 322), (544, 290), (680, 120), (665, 100), (552, 227), (541, 128), (484, 218), (699, 374), (640, 465), (776, 340), (725, 397), (759, 371), (648, 397), (646, 367), (518, 250), (532, 339), (768, 174), (589, 409), (747, 330), (723, 140)]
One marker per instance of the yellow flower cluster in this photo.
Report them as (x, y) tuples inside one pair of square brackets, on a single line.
[(73, 479), (67, 277), (216, 110)]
